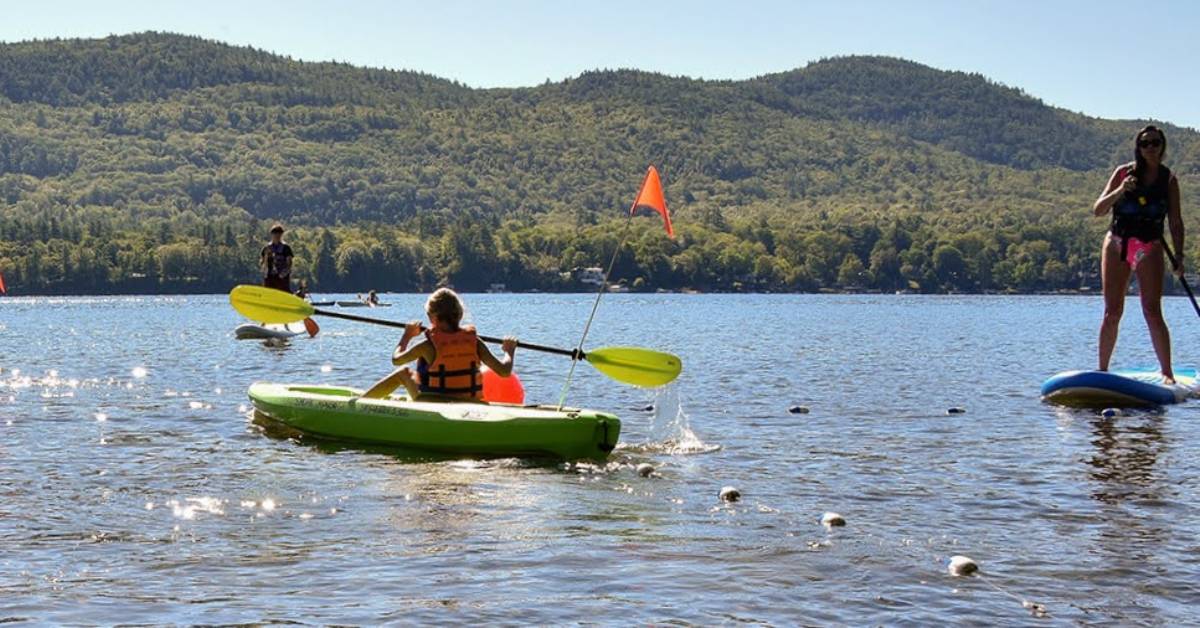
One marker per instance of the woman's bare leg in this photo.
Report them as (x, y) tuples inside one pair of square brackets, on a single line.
[(1150, 283), (1114, 277)]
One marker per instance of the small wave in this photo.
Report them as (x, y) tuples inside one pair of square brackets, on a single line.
[(51, 383), (483, 464), (689, 446), (189, 507), (583, 467)]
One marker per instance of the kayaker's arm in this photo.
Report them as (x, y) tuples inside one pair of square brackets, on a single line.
[(411, 330), (504, 367), (421, 350)]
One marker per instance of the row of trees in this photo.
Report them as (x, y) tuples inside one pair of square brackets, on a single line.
[(754, 254)]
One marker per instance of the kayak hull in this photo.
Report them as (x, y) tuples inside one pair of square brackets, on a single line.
[(1142, 387), (250, 331), (460, 428)]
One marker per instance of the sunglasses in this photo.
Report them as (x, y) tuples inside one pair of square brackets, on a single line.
[(1149, 143)]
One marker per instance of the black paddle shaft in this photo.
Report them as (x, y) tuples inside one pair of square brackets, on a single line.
[(571, 353), (1186, 287)]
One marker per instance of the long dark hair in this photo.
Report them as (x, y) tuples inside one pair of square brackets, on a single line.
[(1140, 168)]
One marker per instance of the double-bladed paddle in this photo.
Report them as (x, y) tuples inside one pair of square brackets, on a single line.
[(631, 365)]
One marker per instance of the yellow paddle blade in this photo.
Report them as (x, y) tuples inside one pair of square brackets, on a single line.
[(636, 365), (268, 305)]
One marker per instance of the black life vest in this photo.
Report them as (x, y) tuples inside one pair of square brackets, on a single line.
[(277, 254), (1141, 212)]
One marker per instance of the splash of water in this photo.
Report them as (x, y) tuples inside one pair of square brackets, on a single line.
[(670, 428)]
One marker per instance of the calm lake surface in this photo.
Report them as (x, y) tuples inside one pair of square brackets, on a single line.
[(136, 488)]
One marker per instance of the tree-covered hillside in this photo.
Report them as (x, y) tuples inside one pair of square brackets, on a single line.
[(154, 162)]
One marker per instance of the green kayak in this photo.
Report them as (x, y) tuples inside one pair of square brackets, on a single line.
[(473, 429)]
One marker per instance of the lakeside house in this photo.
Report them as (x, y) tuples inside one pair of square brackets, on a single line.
[(591, 276)]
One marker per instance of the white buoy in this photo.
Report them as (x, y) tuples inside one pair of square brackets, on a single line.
[(832, 520), (962, 566), (1109, 413), (645, 469), (1038, 610), (729, 494)]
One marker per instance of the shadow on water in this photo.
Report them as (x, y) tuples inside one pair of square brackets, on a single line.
[(277, 346), (1131, 486), (1125, 463)]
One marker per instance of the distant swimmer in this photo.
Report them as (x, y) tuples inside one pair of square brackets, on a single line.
[(1142, 195)]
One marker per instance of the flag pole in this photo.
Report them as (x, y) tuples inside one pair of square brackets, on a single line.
[(562, 398)]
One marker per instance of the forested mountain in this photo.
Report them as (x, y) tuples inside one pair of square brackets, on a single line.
[(154, 162)]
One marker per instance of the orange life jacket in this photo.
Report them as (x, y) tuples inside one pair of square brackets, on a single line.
[(455, 370)]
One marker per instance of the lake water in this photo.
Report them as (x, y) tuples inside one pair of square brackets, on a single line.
[(135, 487)]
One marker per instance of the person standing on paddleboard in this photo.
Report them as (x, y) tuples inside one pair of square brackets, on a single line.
[(1141, 195), (276, 261)]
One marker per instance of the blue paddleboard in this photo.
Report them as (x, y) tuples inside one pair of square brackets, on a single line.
[(1120, 388)]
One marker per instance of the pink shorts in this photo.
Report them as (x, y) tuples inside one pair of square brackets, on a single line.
[(1135, 249)]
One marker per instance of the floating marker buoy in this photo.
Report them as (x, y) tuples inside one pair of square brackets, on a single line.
[(956, 410), (1109, 413), (962, 566), (730, 494), (832, 520), (1038, 610), (798, 409), (645, 469)]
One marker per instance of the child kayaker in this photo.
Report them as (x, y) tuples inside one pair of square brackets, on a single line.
[(449, 358)]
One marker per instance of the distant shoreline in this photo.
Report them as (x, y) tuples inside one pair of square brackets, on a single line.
[(1095, 292)]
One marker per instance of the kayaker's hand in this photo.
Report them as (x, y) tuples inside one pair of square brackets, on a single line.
[(509, 345), (411, 330), (1178, 266)]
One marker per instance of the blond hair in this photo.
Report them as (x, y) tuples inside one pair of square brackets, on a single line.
[(445, 305)]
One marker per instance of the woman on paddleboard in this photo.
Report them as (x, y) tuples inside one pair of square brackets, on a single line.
[(448, 360), (1141, 195)]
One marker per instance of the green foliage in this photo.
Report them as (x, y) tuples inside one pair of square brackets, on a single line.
[(156, 162)]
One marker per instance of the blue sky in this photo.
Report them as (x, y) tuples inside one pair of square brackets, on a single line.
[(1102, 58)]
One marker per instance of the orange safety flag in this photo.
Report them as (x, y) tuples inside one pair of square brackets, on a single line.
[(651, 197)]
